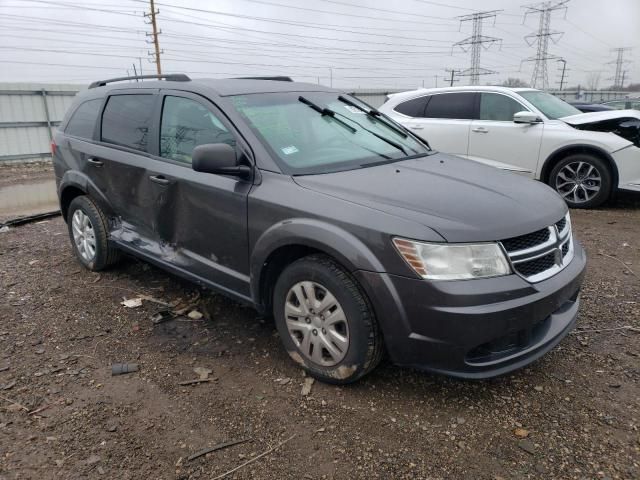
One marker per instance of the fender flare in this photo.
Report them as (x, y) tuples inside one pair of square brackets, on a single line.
[(345, 247), (546, 166), (79, 180)]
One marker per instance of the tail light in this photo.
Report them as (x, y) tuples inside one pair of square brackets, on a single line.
[(53, 148)]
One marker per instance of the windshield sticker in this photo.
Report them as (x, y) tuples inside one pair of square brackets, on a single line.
[(289, 150), (353, 109)]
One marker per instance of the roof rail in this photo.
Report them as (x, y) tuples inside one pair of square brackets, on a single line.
[(174, 77), (276, 78)]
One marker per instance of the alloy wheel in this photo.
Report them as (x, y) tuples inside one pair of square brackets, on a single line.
[(83, 235), (317, 323), (578, 182)]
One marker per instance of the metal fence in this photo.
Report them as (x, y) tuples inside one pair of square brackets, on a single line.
[(29, 113)]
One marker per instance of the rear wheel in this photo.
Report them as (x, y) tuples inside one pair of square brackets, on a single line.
[(325, 322), (88, 233), (583, 180)]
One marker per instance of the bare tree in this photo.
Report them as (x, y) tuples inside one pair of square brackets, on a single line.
[(514, 83), (593, 80)]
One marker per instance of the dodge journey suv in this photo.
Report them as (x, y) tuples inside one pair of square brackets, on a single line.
[(311, 206)]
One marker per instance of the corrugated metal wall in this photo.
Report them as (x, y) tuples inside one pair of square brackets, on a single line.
[(29, 112)]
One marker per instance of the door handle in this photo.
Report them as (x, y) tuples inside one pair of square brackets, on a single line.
[(159, 179), (95, 162), (480, 130), (416, 127)]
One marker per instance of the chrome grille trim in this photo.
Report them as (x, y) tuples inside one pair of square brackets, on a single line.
[(557, 241)]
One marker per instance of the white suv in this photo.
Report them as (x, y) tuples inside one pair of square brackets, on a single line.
[(583, 156)]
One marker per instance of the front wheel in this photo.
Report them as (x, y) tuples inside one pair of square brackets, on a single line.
[(583, 181), (325, 321)]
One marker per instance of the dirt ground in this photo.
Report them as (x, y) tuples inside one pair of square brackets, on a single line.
[(573, 414)]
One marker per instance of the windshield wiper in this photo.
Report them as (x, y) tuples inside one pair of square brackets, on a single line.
[(373, 114), (326, 112)]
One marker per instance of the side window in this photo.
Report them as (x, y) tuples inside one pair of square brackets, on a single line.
[(126, 120), (83, 121), (414, 107), (494, 106), (451, 105), (185, 125)]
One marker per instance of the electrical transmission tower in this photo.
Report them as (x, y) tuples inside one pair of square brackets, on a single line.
[(475, 43), (155, 56), (618, 79), (540, 77)]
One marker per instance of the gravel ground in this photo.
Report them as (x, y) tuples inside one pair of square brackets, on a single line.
[(572, 414)]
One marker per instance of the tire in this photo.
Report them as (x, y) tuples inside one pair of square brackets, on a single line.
[(364, 345), (591, 172), (93, 229)]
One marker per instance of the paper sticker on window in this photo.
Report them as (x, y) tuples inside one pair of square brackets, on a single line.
[(353, 109), (289, 150)]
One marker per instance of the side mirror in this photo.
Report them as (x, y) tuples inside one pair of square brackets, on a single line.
[(526, 117), (218, 158)]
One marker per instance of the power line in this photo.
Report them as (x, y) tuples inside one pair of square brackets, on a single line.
[(476, 42), (540, 75)]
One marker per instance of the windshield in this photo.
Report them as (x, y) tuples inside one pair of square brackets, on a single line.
[(552, 107), (306, 141)]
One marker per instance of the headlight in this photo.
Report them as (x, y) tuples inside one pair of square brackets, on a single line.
[(441, 261)]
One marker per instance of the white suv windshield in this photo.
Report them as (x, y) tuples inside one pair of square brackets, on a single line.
[(552, 107), (303, 140)]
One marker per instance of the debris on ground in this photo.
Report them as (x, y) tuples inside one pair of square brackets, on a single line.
[(219, 446), (122, 368), (162, 316), (306, 386), (202, 372), (132, 302), (195, 315)]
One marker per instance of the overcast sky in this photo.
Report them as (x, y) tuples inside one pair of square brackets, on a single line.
[(349, 43)]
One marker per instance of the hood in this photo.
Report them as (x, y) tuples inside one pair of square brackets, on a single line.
[(585, 118), (464, 201)]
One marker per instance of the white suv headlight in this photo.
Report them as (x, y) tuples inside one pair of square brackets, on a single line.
[(442, 261)]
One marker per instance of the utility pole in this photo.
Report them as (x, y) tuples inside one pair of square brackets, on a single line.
[(452, 74), (618, 79), (564, 68), (156, 56), (475, 43), (331, 77), (540, 77)]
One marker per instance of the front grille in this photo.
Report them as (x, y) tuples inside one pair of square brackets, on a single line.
[(541, 254), (536, 266), (526, 241)]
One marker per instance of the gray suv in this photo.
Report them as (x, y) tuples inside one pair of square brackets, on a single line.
[(309, 205)]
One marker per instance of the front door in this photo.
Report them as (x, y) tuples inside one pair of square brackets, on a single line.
[(200, 219), (496, 140)]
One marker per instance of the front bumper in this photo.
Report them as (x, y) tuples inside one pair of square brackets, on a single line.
[(628, 164), (474, 328)]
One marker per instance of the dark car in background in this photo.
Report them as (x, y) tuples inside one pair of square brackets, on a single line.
[(588, 107), (309, 205), (624, 104)]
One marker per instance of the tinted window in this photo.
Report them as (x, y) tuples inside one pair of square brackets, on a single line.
[(187, 124), (83, 121), (451, 105), (126, 120), (414, 107), (494, 106)]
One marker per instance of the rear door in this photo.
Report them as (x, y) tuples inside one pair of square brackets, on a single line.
[(496, 140), (125, 129), (445, 121), (200, 219)]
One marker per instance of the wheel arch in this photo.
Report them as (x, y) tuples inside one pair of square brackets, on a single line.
[(565, 151), (74, 184), (293, 239)]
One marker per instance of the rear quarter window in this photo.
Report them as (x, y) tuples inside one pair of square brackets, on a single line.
[(414, 107), (126, 120), (83, 121)]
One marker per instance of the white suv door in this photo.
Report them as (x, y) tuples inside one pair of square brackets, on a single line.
[(496, 140), (442, 119)]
